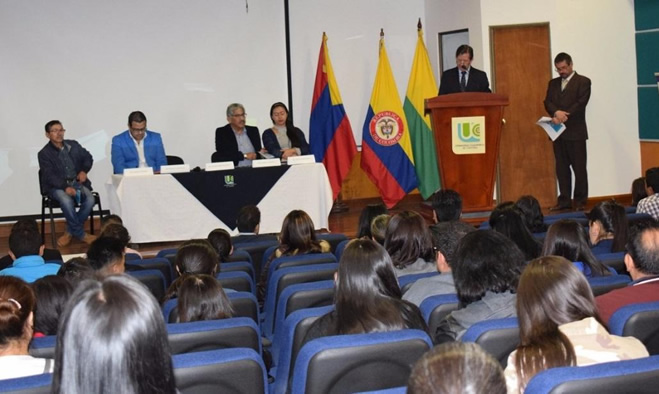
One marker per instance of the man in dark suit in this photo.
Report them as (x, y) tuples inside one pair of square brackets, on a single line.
[(248, 223), (566, 100), (235, 141), (464, 78)]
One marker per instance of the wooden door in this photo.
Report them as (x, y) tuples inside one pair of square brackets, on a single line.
[(521, 69)]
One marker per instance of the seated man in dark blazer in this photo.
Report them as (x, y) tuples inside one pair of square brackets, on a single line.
[(248, 223), (464, 78), (235, 141)]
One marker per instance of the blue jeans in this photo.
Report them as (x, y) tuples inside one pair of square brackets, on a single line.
[(75, 220)]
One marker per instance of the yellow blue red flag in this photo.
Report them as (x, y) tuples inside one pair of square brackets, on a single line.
[(386, 148)]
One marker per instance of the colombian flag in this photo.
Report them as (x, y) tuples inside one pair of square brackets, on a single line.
[(386, 147), (330, 134), (420, 87)]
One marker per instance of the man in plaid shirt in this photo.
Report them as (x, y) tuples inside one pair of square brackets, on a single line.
[(650, 204)]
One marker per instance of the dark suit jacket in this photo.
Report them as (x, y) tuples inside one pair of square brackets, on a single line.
[(226, 146), (477, 82), (573, 100)]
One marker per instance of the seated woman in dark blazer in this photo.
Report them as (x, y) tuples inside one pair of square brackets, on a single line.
[(367, 296), (284, 140)]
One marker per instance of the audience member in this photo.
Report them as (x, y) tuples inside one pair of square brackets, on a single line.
[(48, 254), (366, 217), (379, 228), (64, 165), (297, 237), (445, 239), (26, 249), (531, 214), (567, 238), (249, 223), (112, 339), (409, 244), (650, 204), (446, 205), (486, 270), (16, 321), (76, 270), (642, 263), (201, 297), (220, 240), (235, 141), (284, 140), (367, 296), (558, 324), (457, 368), (194, 257), (608, 227), (111, 219), (639, 191), (506, 219), (118, 231), (52, 293), (137, 147), (106, 256)]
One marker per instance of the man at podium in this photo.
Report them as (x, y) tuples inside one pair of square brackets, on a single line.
[(464, 78)]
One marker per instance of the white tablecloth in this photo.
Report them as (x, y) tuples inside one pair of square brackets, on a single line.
[(158, 208)]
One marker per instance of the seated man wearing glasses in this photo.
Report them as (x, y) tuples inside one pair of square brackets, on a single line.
[(63, 166), (137, 147), (235, 141)]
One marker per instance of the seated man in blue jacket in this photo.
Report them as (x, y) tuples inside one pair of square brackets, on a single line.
[(137, 146), (26, 249), (64, 165)]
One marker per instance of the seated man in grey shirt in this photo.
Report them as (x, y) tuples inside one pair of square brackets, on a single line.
[(445, 239), (236, 141)]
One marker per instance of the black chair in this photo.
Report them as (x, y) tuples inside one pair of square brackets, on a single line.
[(255, 250), (47, 201), (154, 280), (358, 362), (629, 376), (173, 160), (640, 321), (499, 337), (220, 371), (214, 334)]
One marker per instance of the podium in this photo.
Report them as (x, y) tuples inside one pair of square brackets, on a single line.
[(467, 129)]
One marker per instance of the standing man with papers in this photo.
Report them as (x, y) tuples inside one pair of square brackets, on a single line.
[(566, 100)]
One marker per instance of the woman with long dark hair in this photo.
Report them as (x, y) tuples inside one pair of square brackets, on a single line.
[(409, 243), (195, 257), (608, 227), (639, 191), (17, 304), (567, 238), (297, 237), (284, 140), (201, 297), (507, 219), (558, 324), (531, 213), (220, 239), (52, 293), (367, 296), (112, 339)]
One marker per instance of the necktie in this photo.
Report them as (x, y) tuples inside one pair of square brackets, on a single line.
[(563, 84), (463, 81)]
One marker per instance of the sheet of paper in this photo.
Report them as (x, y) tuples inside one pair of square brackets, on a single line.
[(553, 130)]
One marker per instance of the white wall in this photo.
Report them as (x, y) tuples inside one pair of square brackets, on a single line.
[(89, 64), (353, 30), (600, 37)]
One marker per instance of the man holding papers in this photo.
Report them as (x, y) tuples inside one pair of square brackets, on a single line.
[(566, 100)]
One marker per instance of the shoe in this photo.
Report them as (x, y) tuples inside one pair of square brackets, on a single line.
[(88, 238), (64, 240), (560, 208)]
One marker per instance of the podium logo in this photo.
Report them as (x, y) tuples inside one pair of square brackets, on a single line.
[(468, 135), (469, 132), (386, 128)]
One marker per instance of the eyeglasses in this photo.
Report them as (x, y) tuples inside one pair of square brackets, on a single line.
[(243, 115), (58, 130)]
